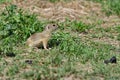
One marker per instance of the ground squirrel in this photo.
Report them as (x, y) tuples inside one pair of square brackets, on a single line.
[(42, 37)]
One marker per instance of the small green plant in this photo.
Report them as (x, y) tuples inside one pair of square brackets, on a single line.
[(118, 37), (53, 1), (28, 74), (12, 70), (96, 0), (118, 28), (79, 26)]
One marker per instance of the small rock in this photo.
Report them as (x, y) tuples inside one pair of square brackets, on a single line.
[(10, 54), (112, 60), (28, 61)]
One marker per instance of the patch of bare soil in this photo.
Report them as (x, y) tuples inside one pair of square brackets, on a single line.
[(59, 11), (86, 11)]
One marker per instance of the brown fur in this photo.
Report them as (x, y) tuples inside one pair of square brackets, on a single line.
[(42, 37)]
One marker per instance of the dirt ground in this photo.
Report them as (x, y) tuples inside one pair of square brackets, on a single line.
[(83, 10)]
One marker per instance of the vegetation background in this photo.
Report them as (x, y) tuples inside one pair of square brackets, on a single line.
[(88, 34)]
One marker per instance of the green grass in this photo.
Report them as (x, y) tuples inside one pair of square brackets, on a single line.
[(112, 7), (5, 1), (109, 7), (96, 0), (118, 30), (53, 1), (70, 55), (16, 26)]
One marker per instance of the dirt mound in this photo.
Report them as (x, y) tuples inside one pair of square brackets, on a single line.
[(86, 11), (59, 11)]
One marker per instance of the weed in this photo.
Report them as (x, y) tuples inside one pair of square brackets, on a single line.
[(118, 28), (12, 70), (118, 37), (112, 7), (53, 1), (77, 26), (100, 1), (28, 74)]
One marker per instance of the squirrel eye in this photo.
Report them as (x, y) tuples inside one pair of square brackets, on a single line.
[(53, 24)]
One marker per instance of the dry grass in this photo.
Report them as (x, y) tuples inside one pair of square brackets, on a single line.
[(86, 11), (74, 10)]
